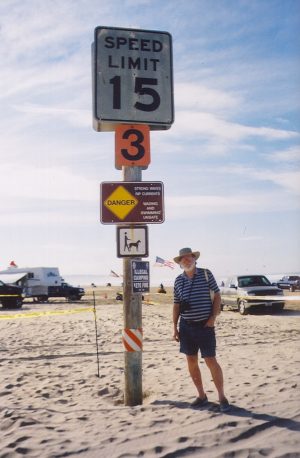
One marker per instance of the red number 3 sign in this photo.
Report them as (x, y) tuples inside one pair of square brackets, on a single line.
[(132, 145)]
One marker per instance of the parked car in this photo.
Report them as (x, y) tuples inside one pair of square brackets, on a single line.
[(10, 296), (291, 282), (236, 290)]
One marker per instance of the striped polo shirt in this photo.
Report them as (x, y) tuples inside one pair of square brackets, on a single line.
[(195, 291)]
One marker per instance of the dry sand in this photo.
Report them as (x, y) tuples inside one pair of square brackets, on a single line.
[(54, 405)]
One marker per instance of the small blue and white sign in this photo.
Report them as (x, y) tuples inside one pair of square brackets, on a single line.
[(140, 276)]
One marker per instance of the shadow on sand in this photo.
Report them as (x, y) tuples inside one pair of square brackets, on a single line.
[(235, 411)]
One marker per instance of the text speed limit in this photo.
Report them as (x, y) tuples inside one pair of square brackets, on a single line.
[(133, 78)]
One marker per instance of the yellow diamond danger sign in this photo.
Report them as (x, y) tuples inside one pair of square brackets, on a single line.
[(120, 202), (132, 202)]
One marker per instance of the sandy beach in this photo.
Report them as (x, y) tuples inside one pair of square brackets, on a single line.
[(53, 404)]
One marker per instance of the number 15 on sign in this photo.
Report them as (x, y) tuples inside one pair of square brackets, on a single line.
[(132, 78), (132, 146)]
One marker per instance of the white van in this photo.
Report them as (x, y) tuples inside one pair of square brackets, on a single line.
[(40, 282)]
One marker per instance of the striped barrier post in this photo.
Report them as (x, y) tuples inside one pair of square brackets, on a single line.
[(132, 339)]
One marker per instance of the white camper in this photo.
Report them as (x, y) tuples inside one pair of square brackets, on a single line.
[(34, 280)]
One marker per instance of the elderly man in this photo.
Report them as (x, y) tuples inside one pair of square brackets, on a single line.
[(197, 302)]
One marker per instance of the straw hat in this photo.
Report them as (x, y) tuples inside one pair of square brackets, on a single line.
[(185, 252)]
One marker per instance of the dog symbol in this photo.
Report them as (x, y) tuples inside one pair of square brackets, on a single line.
[(134, 244)]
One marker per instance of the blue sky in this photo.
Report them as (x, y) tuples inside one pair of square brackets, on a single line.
[(230, 163)]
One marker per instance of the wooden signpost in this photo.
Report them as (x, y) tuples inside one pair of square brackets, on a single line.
[(132, 73)]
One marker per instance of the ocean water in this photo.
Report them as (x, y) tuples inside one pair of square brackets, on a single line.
[(156, 279), (158, 275)]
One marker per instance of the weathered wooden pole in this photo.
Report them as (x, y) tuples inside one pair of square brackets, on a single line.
[(132, 307), (141, 98)]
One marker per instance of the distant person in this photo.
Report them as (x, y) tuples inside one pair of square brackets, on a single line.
[(197, 314), (161, 289)]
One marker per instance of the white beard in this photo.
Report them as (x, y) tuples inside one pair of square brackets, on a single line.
[(190, 268)]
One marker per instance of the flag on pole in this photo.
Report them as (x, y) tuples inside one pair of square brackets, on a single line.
[(114, 274), (12, 264), (160, 262)]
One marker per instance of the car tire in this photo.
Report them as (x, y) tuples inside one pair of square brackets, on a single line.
[(19, 303), (278, 307), (242, 308), (73, 298), (12, 303), (43, 298)]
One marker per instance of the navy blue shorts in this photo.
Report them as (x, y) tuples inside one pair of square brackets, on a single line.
[(194, 337)]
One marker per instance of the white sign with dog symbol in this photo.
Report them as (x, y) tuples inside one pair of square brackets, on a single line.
[(132, 241)]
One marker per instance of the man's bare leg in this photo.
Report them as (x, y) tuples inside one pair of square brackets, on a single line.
[(217, 375), (195, 374)]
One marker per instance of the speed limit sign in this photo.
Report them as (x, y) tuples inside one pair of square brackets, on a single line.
[(132, 78)]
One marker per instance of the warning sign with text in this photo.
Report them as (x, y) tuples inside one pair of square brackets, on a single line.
[(132, 202), (140, 276)]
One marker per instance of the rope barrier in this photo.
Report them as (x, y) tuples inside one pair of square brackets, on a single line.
[(19, 315), (46, 313)]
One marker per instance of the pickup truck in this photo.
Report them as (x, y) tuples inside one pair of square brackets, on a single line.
[(10, 296), (291, 282), (71, 293), (242, 292)]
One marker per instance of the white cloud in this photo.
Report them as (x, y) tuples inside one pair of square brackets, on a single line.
[(193, 206), (288, 180), (76, 117), (197, 97), (40, 77), (46, 183), (288, 155), (251, 238), (207, 124), (44, 218)]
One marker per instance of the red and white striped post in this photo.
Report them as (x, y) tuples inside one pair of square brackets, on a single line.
[(133, 339)]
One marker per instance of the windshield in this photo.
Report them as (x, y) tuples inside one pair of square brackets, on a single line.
[(253, 280)]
